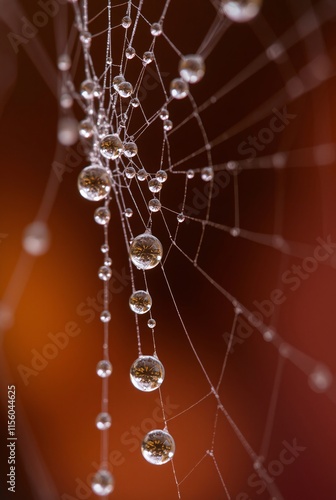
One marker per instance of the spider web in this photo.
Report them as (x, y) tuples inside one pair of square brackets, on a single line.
[(238, 317)]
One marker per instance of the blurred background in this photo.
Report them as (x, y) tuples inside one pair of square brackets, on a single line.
[(56, 387)]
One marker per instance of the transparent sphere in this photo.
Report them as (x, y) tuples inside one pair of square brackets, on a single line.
[(64, 62), (164, 113), (147, 373), (154, 185), (103, 421), (105, 316), (66, 100), (86, 128), (128, 212), (151, 323), (158, 447), (156, 29), (125, 89), (102, 215), (140, 302), (109, 61), (207, 174), (36, 238), (241, 11), (117, 80), (126, 22), (142, 174), (154, 205), (102, 483), (167, 125), (104, 273), (190, 174), (107, 261), (94, 183), (104, 368), (161, 175), (67, 132), (104, 248), (86, 38), (131, 149), (98, 91), (192, 68), (87, 88), (111, 146), (180, 217), (130, 172), (146, 251), (148, 57), (135, 103), (179, 88), (130, 52)]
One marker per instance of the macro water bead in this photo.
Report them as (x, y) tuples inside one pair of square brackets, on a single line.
[(179, 88), (111, 146), (103, 421), (130, 52), (156, 29), (145, 251), (126, 22), (102, 215), (207, 174), (125, 89), (158, 447), (130, 172), (64, 62), (131, 149), (117, 80), (102, 483), (147, 373), (104, 368), (87, 89), (140, 302), (148, 57), (86, 128), (161, 175), (241, 11), (94, 183), (154, 205), (105, 273), (154, 185), (36, 238), (192, 68)]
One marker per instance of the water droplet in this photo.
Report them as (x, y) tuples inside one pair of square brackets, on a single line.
[(147, 373), (192, 68), (142, 174), (164, 113), (104, 248), (66, 100), (180, 217), (158, 447), (36, 238), (130, 52), (104, 273), (64, 62), (161, 175), (86, 128), (179, 88), (117, 80), (167, 125), (135, 102), (94, 183), (104, 368), (131, 149), (154, 185), (86, 38), (125, 89), (103, 421), (207, 174), (126, 22), (87, 88), (102, 215), (130, 172), (190, 174), (148, 57), (241, 11), (151, 323), (154, 205), (128, 212), (146, 251), (156, 29), (140, 302), (67, 131), (102, 483), (111, 146)]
